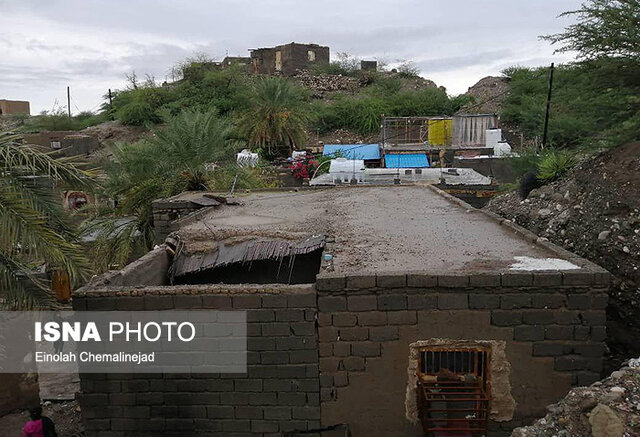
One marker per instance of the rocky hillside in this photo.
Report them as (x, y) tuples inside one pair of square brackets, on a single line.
[(595, 212), (488, 95), (112, 132), (321, 84), (607, 408)]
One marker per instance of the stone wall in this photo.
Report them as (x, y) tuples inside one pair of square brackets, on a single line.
[(279, 392), (294, 57), (71, 143)]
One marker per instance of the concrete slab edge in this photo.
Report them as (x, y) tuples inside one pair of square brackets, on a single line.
[(219, 289)]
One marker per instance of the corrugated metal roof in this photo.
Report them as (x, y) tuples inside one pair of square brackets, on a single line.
[(353, 151), (406, 160)]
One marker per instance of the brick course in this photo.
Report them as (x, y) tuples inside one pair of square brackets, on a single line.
[(280, 392)]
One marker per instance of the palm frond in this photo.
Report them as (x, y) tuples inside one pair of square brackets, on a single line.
[(21, 224), (20, 289)]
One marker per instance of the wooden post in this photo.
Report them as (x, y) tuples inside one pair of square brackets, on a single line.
[(546, 115), (69, 101)]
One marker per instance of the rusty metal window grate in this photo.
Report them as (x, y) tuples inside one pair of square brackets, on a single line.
[(453, 391)]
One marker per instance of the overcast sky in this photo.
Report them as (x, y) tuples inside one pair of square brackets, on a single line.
[(90, 45)]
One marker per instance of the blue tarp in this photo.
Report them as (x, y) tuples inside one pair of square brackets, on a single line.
[(352, 151), (409, 160)]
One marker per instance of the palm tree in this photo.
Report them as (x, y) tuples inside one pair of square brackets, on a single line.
[(277, 118), (171, 160), (34, 230)]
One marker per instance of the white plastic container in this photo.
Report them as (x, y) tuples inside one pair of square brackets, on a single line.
[(502, 149), (246, 158), (493, 137), (298, 154), (344, 170)]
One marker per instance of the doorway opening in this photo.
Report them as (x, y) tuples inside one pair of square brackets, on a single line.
[(454, 386)]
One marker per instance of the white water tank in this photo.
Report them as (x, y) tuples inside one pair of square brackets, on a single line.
[(344, 170), (493, 137)]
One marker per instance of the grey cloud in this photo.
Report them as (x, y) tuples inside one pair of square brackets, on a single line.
[(149, 36), (455, 62)]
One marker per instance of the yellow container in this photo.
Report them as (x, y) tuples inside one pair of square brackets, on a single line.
[(440, 132)]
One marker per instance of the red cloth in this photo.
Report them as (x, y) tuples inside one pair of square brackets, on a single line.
[(33, 428)]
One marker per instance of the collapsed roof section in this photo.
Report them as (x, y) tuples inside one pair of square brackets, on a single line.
[(252, 259)]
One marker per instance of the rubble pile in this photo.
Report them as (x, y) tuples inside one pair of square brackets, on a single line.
[(414, 83), (344, 136), (492, 90), (607, 408), (595, 213), (326, 82), (8, 123)]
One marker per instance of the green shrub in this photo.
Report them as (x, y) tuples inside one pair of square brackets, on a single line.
[(138, 113), (363, 114), (408, 70), (590, 103), (60, 121), (555, 164), (332, 68)]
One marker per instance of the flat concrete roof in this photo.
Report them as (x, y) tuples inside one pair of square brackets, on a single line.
[(374, 229)]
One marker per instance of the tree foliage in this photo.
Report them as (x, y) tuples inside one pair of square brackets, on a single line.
[(593, 103), (189, 154), (604, 28), (34, 230), (363, 114), (277, 117)]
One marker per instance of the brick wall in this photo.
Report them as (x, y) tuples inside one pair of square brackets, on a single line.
[(280, 391), (338, 352), (553, 323)]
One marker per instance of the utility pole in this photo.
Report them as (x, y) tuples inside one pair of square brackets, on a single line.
[(546, 115), (69, 101), (110, 105)]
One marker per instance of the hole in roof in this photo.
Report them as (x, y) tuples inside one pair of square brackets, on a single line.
[(252, 261)]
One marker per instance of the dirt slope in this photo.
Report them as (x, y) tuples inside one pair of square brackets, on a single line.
[(595, 212), (488, 94), (610, 407)]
